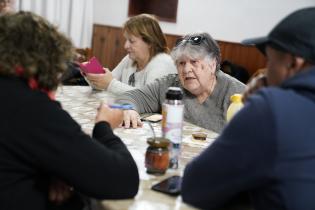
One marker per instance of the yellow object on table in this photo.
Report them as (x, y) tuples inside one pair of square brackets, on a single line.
[(235, 106)]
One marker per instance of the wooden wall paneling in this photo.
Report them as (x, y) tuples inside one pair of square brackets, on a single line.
[(237, 53), (222, 48), (171, 40), (98, 41), (247, 56), (118, 51), (255, 60), (108, 46)]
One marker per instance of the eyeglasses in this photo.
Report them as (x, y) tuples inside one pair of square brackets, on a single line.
[(194, 40)]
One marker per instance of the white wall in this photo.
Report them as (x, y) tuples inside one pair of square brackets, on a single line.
[(227, 20)]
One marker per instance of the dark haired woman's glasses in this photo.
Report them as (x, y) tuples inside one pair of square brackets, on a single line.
[(194, 40)]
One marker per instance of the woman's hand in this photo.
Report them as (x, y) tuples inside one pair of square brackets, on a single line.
[(113, 116), (132, 119), (100, 81)]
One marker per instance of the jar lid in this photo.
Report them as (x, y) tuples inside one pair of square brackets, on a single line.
[(158, 142)]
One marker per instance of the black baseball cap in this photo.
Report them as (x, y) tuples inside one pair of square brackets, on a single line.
[(295, 34)]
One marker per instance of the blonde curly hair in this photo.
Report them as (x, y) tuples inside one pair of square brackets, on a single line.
[(32, 48)]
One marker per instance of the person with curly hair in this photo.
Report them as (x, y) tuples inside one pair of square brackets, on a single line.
[(43, 163)]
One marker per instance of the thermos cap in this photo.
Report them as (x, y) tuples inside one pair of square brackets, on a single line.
[(174, 93)]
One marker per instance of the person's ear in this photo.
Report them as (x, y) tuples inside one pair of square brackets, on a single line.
[(296, 64), (212, 65)]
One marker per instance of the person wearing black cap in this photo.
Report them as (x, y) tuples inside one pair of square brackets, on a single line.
[(268, 149)]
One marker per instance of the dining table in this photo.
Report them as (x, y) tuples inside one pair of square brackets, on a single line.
[(81, 102)]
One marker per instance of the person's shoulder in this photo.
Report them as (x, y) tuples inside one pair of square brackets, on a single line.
[(271, 91), (171, 79), (126, 60), (162, 56), (161, 59), (36, 101), (223, 76), (164, 63), (124, 65), (267, 96), (273, 94), (24, 94)]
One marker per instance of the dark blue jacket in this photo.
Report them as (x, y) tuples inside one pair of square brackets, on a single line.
[(267, 150)]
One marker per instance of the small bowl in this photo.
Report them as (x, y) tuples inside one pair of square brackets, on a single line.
[(200, 136)]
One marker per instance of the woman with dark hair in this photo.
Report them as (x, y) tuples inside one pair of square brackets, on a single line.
[(147, 57), (43, 151)]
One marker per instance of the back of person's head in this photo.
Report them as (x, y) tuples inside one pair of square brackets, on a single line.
[(295, 34), (147, 27), (197, 46), (32, 48)]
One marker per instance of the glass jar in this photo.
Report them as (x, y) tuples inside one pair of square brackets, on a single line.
[(157, 155)]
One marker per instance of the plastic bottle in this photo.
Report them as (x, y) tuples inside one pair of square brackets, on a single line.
[(172, 122), (235, 106)]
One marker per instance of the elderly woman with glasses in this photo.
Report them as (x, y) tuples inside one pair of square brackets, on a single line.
[(147, 57), (206, 88)]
